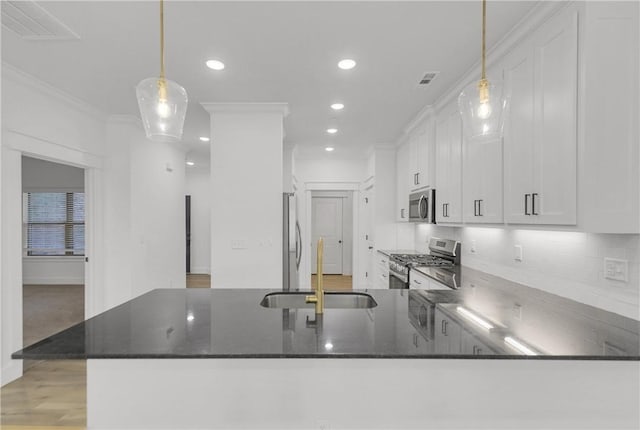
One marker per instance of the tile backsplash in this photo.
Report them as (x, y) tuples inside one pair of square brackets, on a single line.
[(569, 264)]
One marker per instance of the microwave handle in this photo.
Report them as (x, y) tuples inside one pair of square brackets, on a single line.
[(420, 208)]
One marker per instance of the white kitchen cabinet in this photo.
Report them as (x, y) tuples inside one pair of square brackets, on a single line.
[(540, 143), (403, 186), (482, 182), (472, 344), (419, 157), (419, 281), (447, 333), (448, 166), (609, 174), (381, 276)]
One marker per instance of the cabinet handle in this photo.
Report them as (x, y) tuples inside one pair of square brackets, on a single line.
[(480, 207), (526, 204), (383, 275), (417, 282), (444, 213), (418, 178), (401, 213), (533, 204), (444, 327), (447, 210), (415, 340), (475, 208)]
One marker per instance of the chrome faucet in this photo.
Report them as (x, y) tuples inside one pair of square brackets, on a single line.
[(318, 297)]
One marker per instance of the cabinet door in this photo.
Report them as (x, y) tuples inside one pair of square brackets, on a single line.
[(413, 161), (474, 346), (448, 334), (402, 186), (442, 168), (454, 200), (519, 137), (423, 159), (556, 80), (482, 182)]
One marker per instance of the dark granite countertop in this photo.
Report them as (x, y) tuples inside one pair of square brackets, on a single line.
[(230, 323)]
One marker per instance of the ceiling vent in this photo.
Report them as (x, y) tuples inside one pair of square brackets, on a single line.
[(428, 77), (32, 22)]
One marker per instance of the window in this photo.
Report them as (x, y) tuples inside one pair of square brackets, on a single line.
[(54, 223)]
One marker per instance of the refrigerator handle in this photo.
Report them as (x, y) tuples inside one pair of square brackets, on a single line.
[(298, 245)]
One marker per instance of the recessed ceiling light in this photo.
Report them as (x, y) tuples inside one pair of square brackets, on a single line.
[(190, 163), (215, 64), (337, 106), (347, 64), (332, 130), (329, 148), (204, 138)]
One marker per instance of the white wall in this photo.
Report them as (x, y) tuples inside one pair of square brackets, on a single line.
[(134, 197), (199, 188), (144, 219), (246, 195), (44, 176), (36, 120), (326, 168), (569, 264)]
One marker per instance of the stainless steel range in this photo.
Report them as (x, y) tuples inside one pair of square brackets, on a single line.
[(443, 253)]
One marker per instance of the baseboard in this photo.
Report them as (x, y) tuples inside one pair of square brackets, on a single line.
[(202, 270), (48, 280), (11, 372)]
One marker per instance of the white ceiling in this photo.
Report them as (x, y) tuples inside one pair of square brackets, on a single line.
[(274, 52)]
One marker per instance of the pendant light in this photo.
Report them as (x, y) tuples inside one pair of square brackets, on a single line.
[(483, 105), (162, 102)]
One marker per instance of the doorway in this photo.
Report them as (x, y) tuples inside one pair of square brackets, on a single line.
[(332, 219), (53, 232)]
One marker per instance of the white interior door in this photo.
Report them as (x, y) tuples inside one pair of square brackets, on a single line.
[(326, 217)]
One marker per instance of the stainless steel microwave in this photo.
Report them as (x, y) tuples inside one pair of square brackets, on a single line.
[(422, 206)]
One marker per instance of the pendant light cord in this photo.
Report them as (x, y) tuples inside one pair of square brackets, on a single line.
[(484, 24), (162, 40)]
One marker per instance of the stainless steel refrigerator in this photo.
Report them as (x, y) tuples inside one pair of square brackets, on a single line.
[(291, 243)]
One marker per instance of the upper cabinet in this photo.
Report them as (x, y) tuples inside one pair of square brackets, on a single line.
[(419, 154), (540, 141), (402, 182), (609, 174), (448, 166)]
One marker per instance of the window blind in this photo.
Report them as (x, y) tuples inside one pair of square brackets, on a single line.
[(55, 223)]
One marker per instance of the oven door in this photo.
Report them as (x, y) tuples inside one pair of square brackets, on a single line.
[(396, 282)]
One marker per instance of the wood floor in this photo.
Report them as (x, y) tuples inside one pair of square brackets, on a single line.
[(53, 394)]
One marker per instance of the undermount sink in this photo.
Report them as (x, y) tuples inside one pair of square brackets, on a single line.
[(332, 300)]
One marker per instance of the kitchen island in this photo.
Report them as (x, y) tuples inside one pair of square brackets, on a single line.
[(218, 359)]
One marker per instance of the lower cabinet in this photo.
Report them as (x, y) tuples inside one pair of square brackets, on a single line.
[(473, 345), (381, 275), (448, 334)]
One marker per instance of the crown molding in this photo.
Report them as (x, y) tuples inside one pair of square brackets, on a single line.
[(125, 119), (424, 114), (17, 75), (282, 108)]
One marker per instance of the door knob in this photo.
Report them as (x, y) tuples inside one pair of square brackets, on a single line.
[(339, 241)]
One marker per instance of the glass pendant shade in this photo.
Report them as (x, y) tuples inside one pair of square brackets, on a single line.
[(483, 109), (163, 107)]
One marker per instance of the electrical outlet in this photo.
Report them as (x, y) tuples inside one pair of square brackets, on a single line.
[(472, 249), (616, 269), (238, 244), (517, 311), (517, 252)]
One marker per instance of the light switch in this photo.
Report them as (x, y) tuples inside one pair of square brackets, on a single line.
[(616, 269)]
